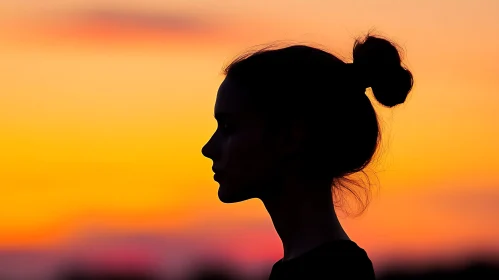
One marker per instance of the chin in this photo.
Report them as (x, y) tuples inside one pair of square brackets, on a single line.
[(227, 196)]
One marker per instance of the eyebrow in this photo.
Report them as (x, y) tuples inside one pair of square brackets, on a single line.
[(222, 116)]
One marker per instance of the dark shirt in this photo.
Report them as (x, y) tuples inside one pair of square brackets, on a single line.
[(336, 260)]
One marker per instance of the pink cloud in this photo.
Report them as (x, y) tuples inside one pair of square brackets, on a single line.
[(146, 21)]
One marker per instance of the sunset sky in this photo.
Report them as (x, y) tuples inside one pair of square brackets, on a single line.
[(105, 105)]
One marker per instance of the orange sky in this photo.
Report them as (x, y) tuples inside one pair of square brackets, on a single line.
[(105, 105)]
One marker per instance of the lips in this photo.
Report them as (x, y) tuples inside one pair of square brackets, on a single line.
[(217, 175), (215, 170)]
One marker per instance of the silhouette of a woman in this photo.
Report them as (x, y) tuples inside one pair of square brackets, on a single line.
[(292, 122)]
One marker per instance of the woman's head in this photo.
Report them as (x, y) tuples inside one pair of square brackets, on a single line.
[(303, 112)]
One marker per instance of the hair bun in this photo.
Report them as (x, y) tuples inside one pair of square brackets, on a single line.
[(379, 65)]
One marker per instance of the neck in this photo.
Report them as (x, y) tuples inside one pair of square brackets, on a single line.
[(303, 219)]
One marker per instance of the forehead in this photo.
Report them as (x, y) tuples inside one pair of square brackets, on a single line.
[(232, 99)]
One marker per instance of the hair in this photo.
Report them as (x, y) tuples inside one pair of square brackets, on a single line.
[(329, 96)]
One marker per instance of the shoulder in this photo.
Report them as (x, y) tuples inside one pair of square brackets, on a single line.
[(343, 258), (334, 260)]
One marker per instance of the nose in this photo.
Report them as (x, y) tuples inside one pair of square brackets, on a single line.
[(208, 149), (204, 150)]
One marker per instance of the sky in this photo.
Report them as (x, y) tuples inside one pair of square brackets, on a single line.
[(105, 105)]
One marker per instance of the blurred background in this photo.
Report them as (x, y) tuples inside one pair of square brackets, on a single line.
[(105, 105)]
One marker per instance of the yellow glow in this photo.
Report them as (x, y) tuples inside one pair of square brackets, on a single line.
[(101, 122)]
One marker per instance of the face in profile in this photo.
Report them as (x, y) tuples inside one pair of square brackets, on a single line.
[(244, 157)]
